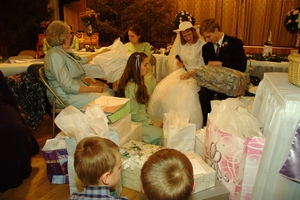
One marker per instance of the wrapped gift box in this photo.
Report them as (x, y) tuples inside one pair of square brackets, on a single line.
[(114, 107), (134, 155), (223, 80), (121, 126), (199, 146), (56, 158), (135, 133), (204, 175)]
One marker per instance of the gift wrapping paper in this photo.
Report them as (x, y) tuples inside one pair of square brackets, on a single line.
[(134, 155), (222, 79)]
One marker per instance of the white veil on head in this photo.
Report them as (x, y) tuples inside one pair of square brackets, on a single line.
[(176, 44)]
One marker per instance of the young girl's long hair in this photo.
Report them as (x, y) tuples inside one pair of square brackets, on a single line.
[(132, 73)]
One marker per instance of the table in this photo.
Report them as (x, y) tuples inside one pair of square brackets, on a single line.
[(161, 68), (9, 69), (258, 68), (218, 192), (277, 107)]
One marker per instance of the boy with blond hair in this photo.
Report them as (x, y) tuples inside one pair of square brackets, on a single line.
[(97, 163), (167, 175)]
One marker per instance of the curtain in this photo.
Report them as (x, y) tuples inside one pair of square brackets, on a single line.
[(249, 20)]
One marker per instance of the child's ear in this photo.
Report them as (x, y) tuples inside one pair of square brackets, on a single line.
[(105, 178), (194, 186)]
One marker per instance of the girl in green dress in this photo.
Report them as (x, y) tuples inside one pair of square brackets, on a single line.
[(132, 86)]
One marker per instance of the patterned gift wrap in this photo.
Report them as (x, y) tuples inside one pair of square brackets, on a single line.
[(57, 165), (134, 155), (203, 180), (223, 80)]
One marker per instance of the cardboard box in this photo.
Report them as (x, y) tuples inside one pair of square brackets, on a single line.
[(205, 177), (121, 126), (223, 80), (135, 133), (200, 146), (134, 155), (114, 107)]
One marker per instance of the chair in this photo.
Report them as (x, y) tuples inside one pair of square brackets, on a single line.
[(56, 101), (153, 64), (20, 57), (28, 53)]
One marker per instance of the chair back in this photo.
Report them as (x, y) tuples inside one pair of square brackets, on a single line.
[(33, 69), (20, 57), (28, 53), (43, 78)]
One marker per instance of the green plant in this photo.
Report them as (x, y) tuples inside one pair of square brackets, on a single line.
[(116, 16), (20, 30)]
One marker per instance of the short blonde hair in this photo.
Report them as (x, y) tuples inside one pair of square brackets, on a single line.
[(95, 156), (168, 175), (57, 32), (209, 25)]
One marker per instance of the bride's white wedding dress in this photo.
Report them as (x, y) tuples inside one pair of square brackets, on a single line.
[(171, 92)]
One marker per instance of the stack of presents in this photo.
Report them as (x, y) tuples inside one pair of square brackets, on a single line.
[(225, 154)]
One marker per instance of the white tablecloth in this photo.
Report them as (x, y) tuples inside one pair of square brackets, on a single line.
[(277, 107), (258, 68), (8, 69), (161, 68)]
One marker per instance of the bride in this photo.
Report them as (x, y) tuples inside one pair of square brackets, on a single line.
[(179, 90)]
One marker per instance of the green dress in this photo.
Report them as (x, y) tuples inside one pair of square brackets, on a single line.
[(150, 80), (150, 134)]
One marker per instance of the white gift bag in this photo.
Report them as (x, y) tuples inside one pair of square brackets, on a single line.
[(179, 134)]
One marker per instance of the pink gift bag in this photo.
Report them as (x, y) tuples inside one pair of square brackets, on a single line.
[(233, 146), (235, 160)]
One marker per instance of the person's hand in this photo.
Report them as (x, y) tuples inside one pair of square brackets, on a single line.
[(158, 124), (16, 78), (215, 63), (103, 50), (184, 76), (180, 64)]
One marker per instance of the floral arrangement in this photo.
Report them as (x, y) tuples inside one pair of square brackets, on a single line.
[(183, 16), (45, 24), (89, 17), (291, 20)]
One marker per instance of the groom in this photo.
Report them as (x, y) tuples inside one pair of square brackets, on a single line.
[(221, 50)]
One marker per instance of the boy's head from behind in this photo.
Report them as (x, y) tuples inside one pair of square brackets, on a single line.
[(168, 175), (97, 161)]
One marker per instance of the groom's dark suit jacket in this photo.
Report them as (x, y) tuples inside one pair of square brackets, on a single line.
[(232, 56), (231, 53)]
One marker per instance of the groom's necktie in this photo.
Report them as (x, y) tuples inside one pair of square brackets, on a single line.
[(218, 49)]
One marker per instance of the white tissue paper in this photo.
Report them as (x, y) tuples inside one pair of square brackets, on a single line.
[(241, 124), (78, 125), (178, 133), (113, 62)]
